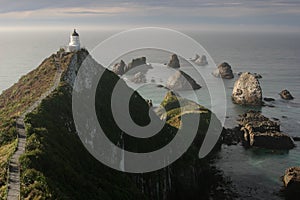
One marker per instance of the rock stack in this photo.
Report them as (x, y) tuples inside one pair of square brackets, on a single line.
[(224, 71), (291, 181), (247, 90), (174, 62), (119, 68), (136, 62), (285, 94), (182, 81)]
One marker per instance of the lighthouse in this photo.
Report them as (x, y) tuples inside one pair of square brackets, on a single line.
[(74, 44)]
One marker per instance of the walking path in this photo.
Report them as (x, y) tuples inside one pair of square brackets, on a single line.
[(14, 164)]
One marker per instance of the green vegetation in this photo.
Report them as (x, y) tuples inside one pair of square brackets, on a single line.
[(57, 166), (16, 99)]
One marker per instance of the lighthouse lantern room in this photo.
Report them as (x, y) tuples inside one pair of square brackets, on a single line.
[(74, 44)]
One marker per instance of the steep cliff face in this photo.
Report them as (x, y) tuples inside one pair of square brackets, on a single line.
[(57, 166)]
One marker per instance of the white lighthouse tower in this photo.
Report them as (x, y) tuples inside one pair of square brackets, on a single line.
[(74, 44)]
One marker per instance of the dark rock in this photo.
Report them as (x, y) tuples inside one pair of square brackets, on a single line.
[(231, 136), (257, 75), (174, 62), (224, 71), (291, 181), (260, 131), (296, 138), (274, 118), (269, 99), (269, 105), (182, 81), (139, 78), (247, 90), (284, 117), (119, 68), (136, 62), (270, 140), (285, 94)]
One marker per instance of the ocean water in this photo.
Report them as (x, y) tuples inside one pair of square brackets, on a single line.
[(254, 173)]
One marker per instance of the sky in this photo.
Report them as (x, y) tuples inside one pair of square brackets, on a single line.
[(219, 15)]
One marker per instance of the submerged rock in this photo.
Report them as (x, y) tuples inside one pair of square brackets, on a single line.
[(247, 90), (260, 131), (291, 181), (174, 61), (200, 60), (269, 99), (224, 71), (138, 78), (182, 81), (285, 94)]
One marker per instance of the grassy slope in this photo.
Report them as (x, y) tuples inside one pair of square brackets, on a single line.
[(57, 166), (14, 101)]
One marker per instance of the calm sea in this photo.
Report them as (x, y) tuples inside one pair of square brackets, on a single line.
[(255, 173)]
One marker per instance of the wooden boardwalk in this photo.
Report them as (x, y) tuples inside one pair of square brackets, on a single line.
[(13, 188)]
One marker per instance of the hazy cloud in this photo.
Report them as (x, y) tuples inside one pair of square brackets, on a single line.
[(145, 12)]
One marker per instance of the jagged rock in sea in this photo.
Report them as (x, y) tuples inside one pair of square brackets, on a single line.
[(285, 94), (200, 60), (260, 131), (136, 62), (291, 181), (139, 78), (182, 81), (224, 71), (247, 90), (119, 68), (174, 62)]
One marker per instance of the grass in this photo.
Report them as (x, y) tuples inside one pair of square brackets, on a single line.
[(5, 153), (16, 99)]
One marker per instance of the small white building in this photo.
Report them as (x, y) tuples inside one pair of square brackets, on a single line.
[(74, 44)]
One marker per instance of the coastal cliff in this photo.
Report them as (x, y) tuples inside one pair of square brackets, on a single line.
[(57, 166)]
